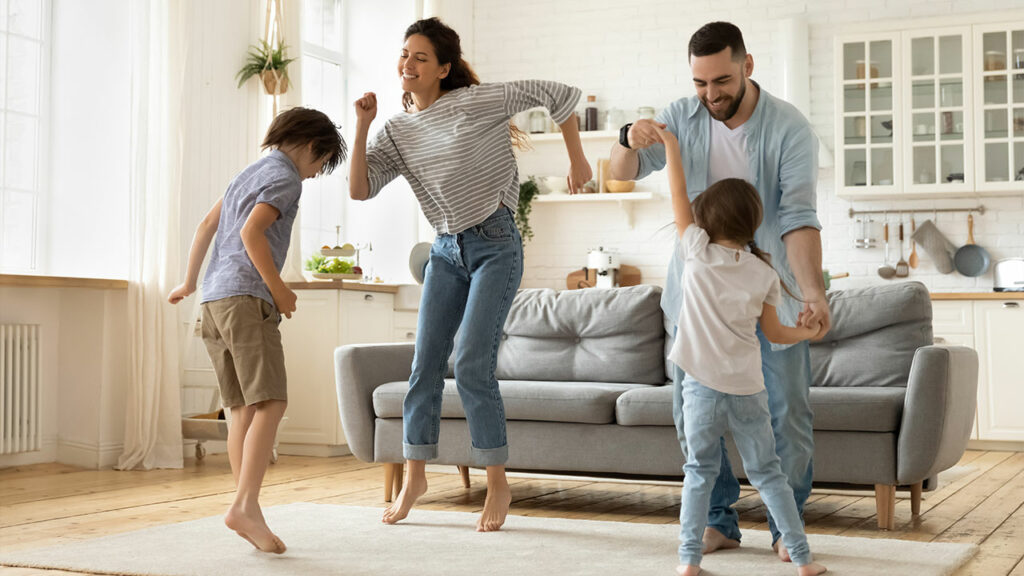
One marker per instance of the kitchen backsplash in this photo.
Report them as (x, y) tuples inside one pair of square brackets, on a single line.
[(634, 54)]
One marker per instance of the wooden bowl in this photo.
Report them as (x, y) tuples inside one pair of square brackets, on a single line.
[(619, 185)]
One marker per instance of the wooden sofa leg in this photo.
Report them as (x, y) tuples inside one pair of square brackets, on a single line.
[(389, 480), (915, 498), (464, 472), (885, 504), (399, 477)]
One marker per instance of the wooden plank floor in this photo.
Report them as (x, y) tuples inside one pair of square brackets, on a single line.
[(52, 503)]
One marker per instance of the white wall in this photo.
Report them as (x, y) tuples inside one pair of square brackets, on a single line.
[(633, 54)]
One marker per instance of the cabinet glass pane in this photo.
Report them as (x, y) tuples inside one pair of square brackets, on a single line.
[(1018, 50), (951, 93), (853, 98), (1018, 160), (881, 59), (855, 131), (924, 127), (881, 96), (952, 167), (881, 166), (1018, 124), (995, 89), (922, 56), (1018, 88), (924, 164), (993, 51), (997, 161), (852, 54), (856, 168), (951, 125), (923, 94), (950, 55), (995, 124), (881, 129)]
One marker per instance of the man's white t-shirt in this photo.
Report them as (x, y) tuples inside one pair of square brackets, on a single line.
[(724, 291), (727, 155)]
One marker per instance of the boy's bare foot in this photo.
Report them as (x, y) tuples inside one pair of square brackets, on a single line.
[(714, 540), (812, 569), (687, 570), (253, 527), (414, 487), (781, 551), (499, 498)]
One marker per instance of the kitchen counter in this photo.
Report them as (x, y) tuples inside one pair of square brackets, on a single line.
[(344, 285), (977, 295)]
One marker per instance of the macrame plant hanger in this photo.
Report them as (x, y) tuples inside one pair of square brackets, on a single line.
[(272, 36)]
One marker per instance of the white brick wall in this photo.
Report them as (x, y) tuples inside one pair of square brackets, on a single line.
[(634, 54)]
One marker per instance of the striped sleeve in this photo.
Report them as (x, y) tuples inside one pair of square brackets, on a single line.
[(559, 99), (382, 161)]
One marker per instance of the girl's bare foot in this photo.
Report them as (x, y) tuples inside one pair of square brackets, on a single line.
[(812, 569), (687, 570), (249, 524), (781, 551), (415, 485), (499, 498), (714, 540)]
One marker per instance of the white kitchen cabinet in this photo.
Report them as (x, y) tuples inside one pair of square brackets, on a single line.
[(999, 89), (953, 324), (366, 317), (999, 339)]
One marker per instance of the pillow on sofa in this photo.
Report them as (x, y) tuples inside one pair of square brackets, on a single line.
[(590, 335), (875, 332)]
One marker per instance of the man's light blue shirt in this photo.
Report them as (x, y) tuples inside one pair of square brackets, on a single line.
[(783, 154)]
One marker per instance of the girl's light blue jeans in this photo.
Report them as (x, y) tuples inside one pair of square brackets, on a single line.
[(470, 281), (707, 414)]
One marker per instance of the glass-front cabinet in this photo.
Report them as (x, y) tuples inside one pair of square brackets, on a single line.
[(999, 89), (867, 144)]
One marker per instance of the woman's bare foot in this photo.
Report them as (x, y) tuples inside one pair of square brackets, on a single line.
[(781, 551), (812, 569), (499, 498), (415, 485), (250, 525), (687, 570), (714, 540)]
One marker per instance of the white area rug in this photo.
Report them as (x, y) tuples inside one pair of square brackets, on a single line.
[(329, 539)]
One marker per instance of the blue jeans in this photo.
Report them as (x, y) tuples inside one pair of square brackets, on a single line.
[(470, 281), (707, 414), (787, 379)]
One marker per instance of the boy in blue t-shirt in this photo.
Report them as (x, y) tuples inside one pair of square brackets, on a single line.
[(244, 298)]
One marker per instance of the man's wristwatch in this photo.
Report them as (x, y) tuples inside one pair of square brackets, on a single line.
[(624, 135)]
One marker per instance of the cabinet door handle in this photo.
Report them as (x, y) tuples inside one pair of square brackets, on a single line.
[(368, 297), (1011, 305), (410, 334)]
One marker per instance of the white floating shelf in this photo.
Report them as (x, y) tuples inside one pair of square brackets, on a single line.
[(591, 135), (625, 200)]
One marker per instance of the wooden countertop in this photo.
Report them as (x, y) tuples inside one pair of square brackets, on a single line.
[(25, 280), (977, 295), (344, 285)]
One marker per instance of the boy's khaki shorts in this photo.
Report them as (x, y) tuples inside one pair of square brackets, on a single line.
[(241, 334)]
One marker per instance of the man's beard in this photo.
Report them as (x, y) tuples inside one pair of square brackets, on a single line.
[(729, 112)]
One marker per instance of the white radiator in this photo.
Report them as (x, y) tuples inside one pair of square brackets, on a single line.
[(20, 403)]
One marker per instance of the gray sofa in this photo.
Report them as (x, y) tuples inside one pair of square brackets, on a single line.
[(583, 377)]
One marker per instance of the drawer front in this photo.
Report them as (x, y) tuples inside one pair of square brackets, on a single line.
[(953, 317)]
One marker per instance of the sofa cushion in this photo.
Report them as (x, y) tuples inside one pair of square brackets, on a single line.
[(875, 332), (581, 402), (647, 406), (592, 335), (858, 409)]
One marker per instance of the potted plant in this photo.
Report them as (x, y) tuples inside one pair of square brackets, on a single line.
[(270, 64), (527, 191)]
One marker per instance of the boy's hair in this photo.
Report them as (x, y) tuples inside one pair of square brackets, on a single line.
[(303, 126), (731, 209), (714, 37)]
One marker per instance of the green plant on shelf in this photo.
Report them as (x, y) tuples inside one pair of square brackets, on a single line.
[(527, 191)]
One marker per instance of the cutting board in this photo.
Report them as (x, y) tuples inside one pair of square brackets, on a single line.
[(628, 276)]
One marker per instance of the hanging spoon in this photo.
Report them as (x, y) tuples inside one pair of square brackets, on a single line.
[(913, 245)]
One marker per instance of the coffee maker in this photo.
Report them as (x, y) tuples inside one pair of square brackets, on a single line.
[(607, 266)]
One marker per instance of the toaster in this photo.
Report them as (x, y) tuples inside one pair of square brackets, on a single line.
[(1009, 275)]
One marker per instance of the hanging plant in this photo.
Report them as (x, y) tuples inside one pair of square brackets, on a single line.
[(269, 64), (527, 191)]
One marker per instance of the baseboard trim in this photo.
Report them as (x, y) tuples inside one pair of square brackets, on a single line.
[(47, 454), (320, 450), (89, 454)]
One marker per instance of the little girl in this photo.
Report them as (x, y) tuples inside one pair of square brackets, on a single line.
[(727, 289)]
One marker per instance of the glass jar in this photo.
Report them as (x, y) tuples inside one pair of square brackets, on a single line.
[(613, 119), (645, 113), (538, 122)]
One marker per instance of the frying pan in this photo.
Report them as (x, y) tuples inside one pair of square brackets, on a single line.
[(971, 259)]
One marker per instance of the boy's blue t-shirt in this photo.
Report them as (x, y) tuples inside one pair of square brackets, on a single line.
[(272, 180)]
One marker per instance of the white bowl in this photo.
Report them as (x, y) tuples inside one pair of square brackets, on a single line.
[(556, 184)]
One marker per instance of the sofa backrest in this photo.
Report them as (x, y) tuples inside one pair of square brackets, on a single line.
[(591, 335), (875, 332)]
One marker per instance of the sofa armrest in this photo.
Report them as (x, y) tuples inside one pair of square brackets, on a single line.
[(938, 413), (358, 370)]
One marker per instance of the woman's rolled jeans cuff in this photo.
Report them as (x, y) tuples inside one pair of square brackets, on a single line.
[(480, 456)]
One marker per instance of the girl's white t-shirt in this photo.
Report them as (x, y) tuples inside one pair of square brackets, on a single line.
[(724, 291)]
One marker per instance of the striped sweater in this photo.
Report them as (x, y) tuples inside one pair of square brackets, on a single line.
[(457, 155)]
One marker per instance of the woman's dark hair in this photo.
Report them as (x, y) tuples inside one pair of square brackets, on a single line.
[(714, 37), (302, 126), (731, 209), (448, 49)]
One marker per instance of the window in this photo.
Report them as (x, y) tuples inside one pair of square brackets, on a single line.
[(23, 78)]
